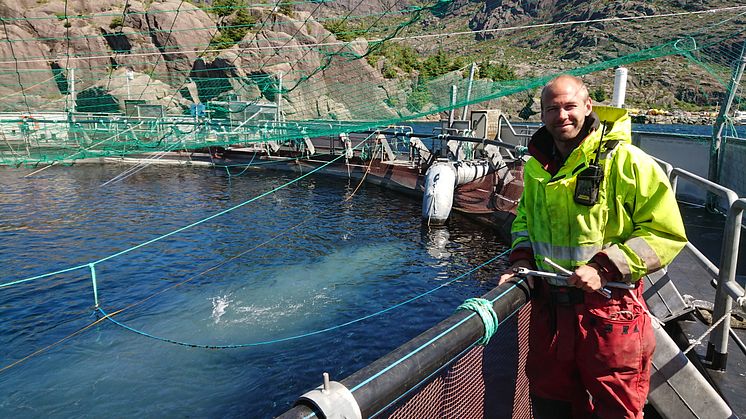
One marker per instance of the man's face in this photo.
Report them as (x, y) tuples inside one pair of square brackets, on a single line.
[(565, 106)]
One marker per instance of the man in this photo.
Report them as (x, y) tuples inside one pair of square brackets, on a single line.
[(603, 209)]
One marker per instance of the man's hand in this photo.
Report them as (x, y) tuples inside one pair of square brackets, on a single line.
[(587, 278), (522, 263)]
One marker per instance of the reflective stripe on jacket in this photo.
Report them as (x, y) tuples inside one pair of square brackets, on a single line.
[(636, 221)]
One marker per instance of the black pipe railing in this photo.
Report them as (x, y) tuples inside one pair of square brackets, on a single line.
[(383, 382)]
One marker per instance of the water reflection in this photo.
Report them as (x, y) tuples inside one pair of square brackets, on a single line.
[(436, 239)]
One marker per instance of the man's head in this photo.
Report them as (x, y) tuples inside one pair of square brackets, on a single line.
[(564, 105)]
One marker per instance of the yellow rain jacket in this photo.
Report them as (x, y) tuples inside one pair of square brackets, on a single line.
[(635, 225)]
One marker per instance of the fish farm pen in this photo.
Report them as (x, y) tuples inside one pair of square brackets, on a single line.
[(190, 224)]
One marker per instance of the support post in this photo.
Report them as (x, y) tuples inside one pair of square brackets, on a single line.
[(717, 347), (465, 115), (717, 130), (279, 97), (72, 90), (452, 114), (620, 87)]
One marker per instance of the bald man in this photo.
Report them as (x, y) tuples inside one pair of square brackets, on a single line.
[(601, 208)]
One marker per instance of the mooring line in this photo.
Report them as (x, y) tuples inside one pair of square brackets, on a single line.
[(179, 230), (307, 334), (50, 346), (93, 279)]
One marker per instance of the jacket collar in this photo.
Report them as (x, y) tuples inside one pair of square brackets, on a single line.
[(543, 149)]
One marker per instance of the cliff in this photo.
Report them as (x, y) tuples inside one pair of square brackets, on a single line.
[(175, 53)]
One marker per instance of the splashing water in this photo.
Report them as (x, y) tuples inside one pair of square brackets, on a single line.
[(219, 304)]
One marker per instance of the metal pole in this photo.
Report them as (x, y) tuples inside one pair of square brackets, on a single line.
[(717, 130), (620, 87), (465, 115), (279, 96), (717, 347), (72, 90), (452, 114), (129, 75)]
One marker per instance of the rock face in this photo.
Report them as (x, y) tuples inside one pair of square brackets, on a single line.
[(162, 52), (498, 14), (173, 53)]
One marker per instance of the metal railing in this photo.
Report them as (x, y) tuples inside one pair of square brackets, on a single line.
[(386, 382), (727, 290)]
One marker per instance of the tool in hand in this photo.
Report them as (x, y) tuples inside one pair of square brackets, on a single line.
[(611, 284), (525, 272)]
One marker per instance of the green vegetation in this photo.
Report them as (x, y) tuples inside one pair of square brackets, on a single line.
[(419, 97), (342, 30), (598, 94), (223, 8), (402, 56), (116, 22), (233, 30), (439, 64), (495, 72), (286, 8), (690, 107), (406, 59), (389, 71)]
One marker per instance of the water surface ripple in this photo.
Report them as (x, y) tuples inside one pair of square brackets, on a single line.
[(317, 261)]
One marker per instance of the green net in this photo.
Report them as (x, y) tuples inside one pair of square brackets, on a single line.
[(118, 78)]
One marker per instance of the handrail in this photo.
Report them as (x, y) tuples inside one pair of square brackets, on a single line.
[(501, 118), (378, 385), (703, 183), (727, 287), (668, 167)]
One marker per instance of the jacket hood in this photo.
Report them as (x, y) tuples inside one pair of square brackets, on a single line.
[(617, 121)]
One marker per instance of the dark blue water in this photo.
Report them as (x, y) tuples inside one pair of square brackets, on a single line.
[(292, 263)]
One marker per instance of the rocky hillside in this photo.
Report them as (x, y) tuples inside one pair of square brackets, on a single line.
[(166, 46), (176, 53)]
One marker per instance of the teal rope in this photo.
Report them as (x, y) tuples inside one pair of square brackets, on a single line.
[(179, 230), (20, 281), (439, 336), (489, 318), (304, 335)]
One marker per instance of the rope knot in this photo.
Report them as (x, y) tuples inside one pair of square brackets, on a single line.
[(484, 309)]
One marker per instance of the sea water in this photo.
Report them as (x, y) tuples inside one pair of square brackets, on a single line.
[(234, 316)]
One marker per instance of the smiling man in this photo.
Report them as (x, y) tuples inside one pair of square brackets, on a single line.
[(599, 207)]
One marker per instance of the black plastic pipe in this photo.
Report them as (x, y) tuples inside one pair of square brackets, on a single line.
[(385, 380)]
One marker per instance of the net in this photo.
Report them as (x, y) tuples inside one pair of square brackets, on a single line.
[(81, 81), (487, 382)]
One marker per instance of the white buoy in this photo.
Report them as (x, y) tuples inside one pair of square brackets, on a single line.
[(440, 180), (620, 87)]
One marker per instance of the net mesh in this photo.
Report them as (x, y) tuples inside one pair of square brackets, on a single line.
[(118, 78), (486, 382)]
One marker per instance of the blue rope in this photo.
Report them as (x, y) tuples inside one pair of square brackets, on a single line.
[(179, 230), (436, 338), (438, 370), (303, 335), (489, 318)]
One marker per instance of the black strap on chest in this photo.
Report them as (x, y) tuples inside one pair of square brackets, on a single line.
[(588, 182)]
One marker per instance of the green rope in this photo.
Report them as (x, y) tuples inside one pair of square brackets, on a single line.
[(489, 318)]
